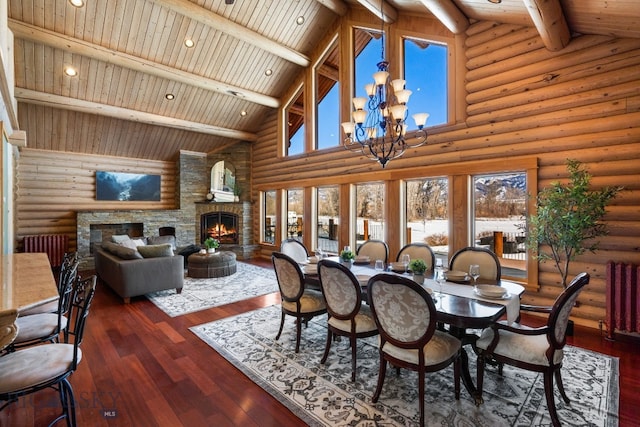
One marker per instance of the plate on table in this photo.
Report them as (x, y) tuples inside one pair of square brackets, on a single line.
[(457, 276), (361, 260), (491, 291), (313, 260), (397, 267)]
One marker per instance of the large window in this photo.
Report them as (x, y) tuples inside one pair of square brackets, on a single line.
[(499, 212), (425, 72), (295, 210), (367, 53), (295, 125), (269, 216), (328, 220), (328, 98), (427, 213), (369, 212)]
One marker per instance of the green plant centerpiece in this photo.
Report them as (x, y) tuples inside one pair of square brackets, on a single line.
[(568, 219), (418, 267), (347, 257), (211, 244)]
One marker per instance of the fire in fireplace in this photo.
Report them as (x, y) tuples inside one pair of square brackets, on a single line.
[(219, 225)]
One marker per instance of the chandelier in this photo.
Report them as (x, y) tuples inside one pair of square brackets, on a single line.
[(379, 132)]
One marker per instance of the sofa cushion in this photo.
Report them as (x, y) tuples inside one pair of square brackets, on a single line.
[(156, 251), (119, 238), (159, 240), (121, 251), (129, 244)]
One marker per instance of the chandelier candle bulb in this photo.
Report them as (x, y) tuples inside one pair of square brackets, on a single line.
[(359, 116), (420, 119), (403, 96), (359, 103), (380, 77), (398, 85), (370, 89), (347, 127)]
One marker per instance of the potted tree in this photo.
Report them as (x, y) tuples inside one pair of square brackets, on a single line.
[(568, 219), (211, 244), (418, 267)]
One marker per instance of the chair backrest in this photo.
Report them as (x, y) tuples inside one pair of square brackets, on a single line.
[(68, 270), (419, 251), (374, 249), (8, 327), (559, 316), (83, 292), (289, 276), (340, 288), (487, 260), (403, 310), (295, 249)]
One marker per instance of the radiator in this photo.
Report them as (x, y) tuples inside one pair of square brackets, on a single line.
[(623, 304), (55, 246)]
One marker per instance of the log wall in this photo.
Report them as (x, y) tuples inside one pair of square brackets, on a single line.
[(522, 101)]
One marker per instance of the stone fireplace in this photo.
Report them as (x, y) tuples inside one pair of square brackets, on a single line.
[(220, 225), (227, 215)]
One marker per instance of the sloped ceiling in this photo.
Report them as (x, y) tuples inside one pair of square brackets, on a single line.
[(131, 53)]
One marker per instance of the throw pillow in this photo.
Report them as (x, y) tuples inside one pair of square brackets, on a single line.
[(119, 238), (139, 242), (156, 251), (129, 244), (159, 240), (121, 251)]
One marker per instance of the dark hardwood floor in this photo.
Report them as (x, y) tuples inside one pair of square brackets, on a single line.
[(143, 368)]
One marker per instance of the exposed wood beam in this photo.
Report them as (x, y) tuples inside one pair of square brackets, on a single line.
[(213, 20), (70, 44), (5, 90), (389, 14), (328, 72), (336, 6), (56, 101), (550, 22), (449, 14)]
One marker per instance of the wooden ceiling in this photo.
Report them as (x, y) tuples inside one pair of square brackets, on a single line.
[(130, 53)]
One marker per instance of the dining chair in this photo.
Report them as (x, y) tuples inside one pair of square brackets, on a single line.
[(405, 315), (374, 249), (296, 301), (348, 315), (488, 261), (533, 349), (45, 366), (419, 251), (295, 249)]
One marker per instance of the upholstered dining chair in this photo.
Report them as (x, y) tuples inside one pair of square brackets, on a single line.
[(406, 318), (295, 249), (418, 251), (488, 261), (45, 366), (348, 315), (301, 303), (374, 249), (42, 327), (533, 349)]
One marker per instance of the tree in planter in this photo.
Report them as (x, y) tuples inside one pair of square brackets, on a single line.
[(568, 218)]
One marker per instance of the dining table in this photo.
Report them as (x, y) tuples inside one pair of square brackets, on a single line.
[(27, 281), (458, 305)]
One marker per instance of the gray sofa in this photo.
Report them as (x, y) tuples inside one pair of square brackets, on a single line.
[(129, 274)]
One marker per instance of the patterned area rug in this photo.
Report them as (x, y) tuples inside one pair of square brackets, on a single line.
[(325, 396), (199, 294)]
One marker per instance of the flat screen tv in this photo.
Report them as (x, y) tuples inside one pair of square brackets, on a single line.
[(127, 186)]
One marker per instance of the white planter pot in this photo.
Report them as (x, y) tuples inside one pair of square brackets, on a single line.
[(346, 263), (211, 251), (418, 278)]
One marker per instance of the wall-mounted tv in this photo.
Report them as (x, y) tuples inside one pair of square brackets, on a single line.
[(127, 186)]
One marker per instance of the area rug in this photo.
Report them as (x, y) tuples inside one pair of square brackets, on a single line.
[(198, 294), (325, 396)]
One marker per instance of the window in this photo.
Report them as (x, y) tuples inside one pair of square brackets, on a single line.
[(427, 213), (328, 220), (294, 214), (499, 212), (367, 53), (369, 212), (425, 72), (328, 98), (295, 125), (269, 217)]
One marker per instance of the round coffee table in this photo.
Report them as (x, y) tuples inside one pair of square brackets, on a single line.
[(218, 264)]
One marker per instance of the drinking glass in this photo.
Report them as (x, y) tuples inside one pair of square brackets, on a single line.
[(439, 275), (406, 259), (474, 271), (379, 266)]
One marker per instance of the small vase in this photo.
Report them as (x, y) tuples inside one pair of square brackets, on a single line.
[(211, 250), (346, 263), (418, 278)]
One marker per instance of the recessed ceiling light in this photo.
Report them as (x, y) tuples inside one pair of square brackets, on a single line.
[(70, 71), (243, 113), (189, 43), (300, 20), (170, 96), (77, 3), (268, 72)]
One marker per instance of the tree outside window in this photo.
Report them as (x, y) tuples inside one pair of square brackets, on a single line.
[(369, 212), (295, 211), (427, 213), (328, 219)]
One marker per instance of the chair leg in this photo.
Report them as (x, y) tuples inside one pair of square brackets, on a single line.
[(352, 339), (327, 347), (456, 377), (480, 381), (298, 334), (561, 386), (381, 374), (68, 403), (281, 326), (421, 393), (548, 392)]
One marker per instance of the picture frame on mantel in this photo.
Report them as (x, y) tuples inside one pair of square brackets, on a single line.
[(126, 187)]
